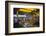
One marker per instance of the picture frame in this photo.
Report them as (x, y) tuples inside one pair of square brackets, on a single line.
[(12, 6)]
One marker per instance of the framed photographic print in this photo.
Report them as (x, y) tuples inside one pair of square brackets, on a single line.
[(24, 17)]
